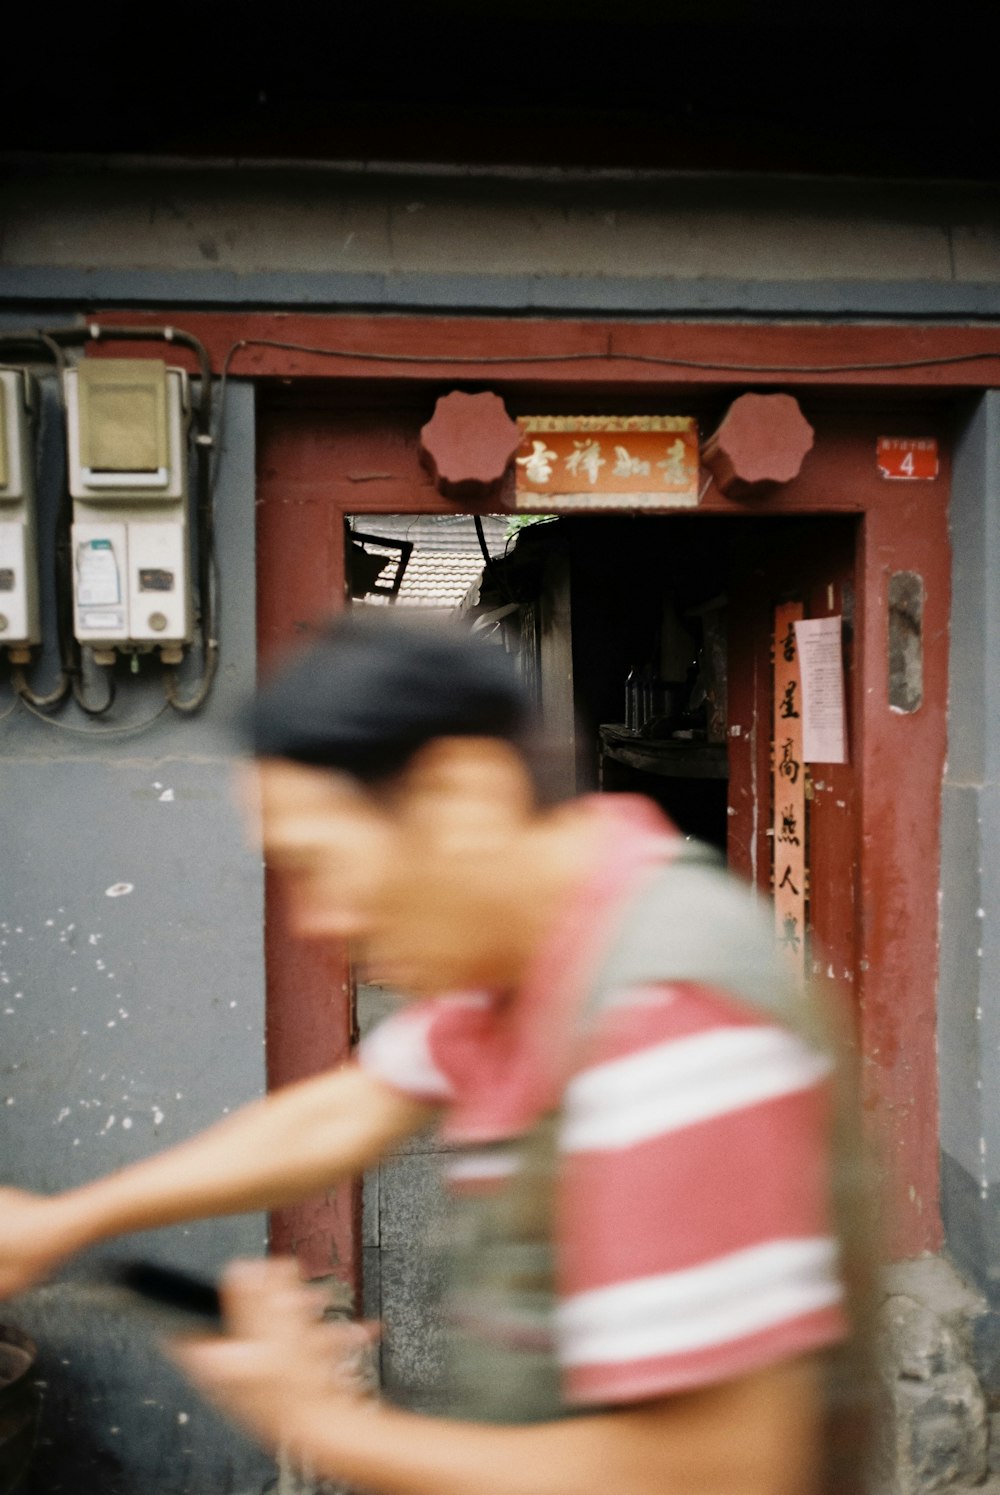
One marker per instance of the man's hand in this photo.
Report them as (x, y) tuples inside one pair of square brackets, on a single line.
[(35, 1237), (287, 1147), (291, 1380), (280, 1361)]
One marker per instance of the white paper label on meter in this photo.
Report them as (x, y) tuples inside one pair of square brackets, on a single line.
[(109, 622), (98, 581)]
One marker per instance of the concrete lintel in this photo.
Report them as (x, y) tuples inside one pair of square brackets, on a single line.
[(581, 295)]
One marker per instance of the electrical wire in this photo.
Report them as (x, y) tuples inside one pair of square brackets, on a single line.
[(22, 689), (91, 732), (81, 700), (30, 337), (606, 355)]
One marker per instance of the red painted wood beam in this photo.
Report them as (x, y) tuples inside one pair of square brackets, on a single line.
[(626, 354)]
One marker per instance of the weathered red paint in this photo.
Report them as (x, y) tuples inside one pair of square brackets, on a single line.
[(556, 353), (300, 542), (468, 446), (762, 441), (875, 852)]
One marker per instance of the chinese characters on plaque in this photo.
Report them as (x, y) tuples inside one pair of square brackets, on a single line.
[(789, 790), (607, 462)]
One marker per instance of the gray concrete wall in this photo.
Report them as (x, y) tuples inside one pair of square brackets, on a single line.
[(130, 1022), (969, 1004), (128, 231)]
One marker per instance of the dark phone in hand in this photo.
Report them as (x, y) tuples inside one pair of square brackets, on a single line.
[(169, 1292)]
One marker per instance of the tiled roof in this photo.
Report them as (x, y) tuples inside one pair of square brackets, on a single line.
[(439, 579), (446, 559), (442, 532)]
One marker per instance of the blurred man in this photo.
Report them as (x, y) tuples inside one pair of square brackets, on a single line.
[(644, 1267)]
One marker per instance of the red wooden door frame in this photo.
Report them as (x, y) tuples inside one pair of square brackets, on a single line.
[(306, 484)]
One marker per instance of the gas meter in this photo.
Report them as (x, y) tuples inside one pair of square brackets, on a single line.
[(19, 616), (127, 426)]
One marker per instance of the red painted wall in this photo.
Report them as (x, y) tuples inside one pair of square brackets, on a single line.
[(348, 444)]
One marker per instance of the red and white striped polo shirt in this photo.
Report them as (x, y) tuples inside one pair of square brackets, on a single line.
[(694, 1239)]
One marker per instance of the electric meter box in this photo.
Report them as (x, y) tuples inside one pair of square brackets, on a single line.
[(20, 625), (127, 427)]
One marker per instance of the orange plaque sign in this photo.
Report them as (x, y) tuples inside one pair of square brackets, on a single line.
[(907, 457), (571, 462), (789, 790)]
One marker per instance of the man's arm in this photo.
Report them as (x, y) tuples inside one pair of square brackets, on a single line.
[(271, 1153), (755, 1436), (285, 1377)]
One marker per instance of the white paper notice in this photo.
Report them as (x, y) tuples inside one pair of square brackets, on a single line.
[(824, 729)]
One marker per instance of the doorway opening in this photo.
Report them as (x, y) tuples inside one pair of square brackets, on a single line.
[(647, 644), (628, 630)]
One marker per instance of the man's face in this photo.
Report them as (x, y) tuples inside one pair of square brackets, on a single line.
[(376, 869)]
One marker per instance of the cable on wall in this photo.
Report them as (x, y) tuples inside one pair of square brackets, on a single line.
[(607, 355)]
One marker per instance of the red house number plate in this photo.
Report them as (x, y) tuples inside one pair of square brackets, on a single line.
[(907, 457)]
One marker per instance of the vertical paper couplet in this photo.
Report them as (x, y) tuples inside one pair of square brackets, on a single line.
[(789, 790)]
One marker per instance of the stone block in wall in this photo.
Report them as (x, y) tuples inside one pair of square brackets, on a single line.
[(934, 1432), (941, 1432), (915, 1342)]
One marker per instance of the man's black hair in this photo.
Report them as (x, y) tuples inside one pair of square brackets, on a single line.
[(375, 686)]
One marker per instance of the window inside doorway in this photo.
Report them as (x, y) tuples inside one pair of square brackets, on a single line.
[(432, 561)]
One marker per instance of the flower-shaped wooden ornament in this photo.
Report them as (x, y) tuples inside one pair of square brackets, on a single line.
[(762, 441), (468, 446)]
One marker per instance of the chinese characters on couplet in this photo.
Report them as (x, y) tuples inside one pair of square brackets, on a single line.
[(625, 462), (789, 767), (789, 827), (788, 832), (790, 937), (788, 645), (788, 701)]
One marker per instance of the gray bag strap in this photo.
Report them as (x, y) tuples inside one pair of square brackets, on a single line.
[(696, 922)]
